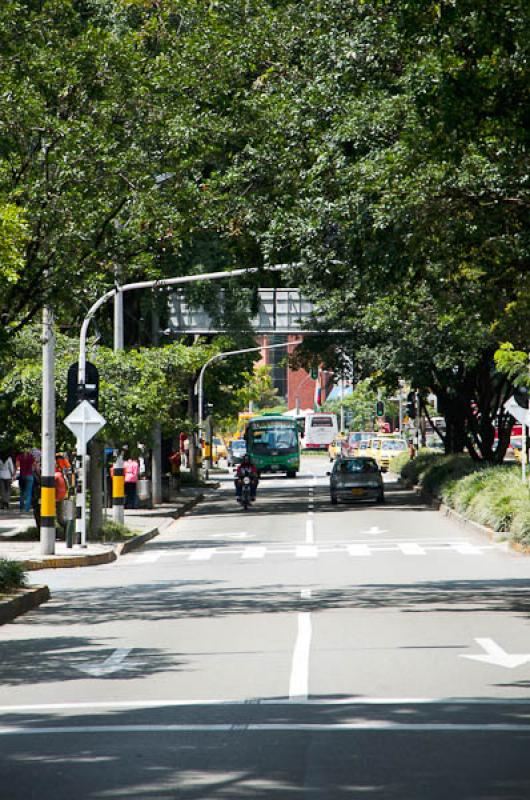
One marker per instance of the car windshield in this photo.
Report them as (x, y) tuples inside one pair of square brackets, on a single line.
[(393, 445), (356, 465), (273, 437)]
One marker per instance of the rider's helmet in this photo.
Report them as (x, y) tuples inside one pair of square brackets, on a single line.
[(245, 461)]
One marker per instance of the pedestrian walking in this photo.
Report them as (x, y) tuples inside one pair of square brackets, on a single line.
[(131, 471), (25, 466), (61, 490), (7, 473)]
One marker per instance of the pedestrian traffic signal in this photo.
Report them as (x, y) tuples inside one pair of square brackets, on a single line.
[(411, 405), (380, 409)]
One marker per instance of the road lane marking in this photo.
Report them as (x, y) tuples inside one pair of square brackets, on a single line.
[(467, 549), (202, 554), (358, 550), (306, 551), (383, 725), (299, 681), (411, 549), (305, 594), (309, 532), (254, 551), (307, 701)]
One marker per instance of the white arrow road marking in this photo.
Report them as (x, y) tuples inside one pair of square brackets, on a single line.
[(496, 655), (374, 530), (111, 664)]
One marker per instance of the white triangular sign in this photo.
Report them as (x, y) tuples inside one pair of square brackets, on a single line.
[(519, 413)]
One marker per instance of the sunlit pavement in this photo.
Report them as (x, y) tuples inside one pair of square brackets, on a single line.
[(298, 649)]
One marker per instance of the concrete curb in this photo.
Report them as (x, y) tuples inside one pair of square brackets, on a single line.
[(135, 542), (67, 562), (23, 601), (465, 522), (107, 556)]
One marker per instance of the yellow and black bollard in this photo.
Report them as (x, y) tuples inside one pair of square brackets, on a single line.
[(118, 491), (47, 503)]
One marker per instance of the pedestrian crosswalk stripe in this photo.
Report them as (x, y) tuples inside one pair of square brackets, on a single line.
[(467, 549), (411, 549), (254, 551), (202, 554), (359, 550), (306, 551)]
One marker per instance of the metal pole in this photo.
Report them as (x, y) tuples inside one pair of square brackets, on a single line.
[(47, 527), (80, 518), (118, 320), (118, 491), (206, 276), (226, 354), (342, 404), (156, 461)]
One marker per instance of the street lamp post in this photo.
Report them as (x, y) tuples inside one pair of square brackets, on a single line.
[(117, 294), (220, 357)]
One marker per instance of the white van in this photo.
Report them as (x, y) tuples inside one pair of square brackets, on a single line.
[(320, 430)]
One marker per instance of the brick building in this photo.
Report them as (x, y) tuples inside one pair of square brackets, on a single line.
[(296, 388)]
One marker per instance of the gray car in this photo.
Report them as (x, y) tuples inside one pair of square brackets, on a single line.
[(236, 450), (356, 479)]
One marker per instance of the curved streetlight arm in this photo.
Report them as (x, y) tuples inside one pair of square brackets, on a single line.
[(206, 276), (226, 354)]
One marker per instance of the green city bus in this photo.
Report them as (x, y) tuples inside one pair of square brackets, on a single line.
[(273, 444)]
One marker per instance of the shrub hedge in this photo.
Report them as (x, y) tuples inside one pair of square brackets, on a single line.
[(493, 496), (12, 575)]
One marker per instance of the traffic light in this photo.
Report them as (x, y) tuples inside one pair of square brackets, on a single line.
[(76, 393), (411, 405), (380, 409)]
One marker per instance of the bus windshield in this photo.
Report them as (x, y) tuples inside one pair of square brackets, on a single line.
[(268, 436)]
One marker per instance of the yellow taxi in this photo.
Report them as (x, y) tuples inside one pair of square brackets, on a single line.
[(387, 447), (336, 447), (219, 449)]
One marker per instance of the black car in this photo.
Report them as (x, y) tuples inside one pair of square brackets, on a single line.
[(236, 450)]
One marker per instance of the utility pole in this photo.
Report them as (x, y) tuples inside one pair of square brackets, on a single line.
[(156, 462), (118, 512), (47, 526)]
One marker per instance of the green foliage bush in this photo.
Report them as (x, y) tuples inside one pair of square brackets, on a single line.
[(115, 532), (398, 462), (492, 496), (12, 575)]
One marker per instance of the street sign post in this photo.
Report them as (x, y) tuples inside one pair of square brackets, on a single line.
[(84, 422)]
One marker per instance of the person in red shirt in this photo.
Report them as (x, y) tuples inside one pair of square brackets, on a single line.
[(131, 471), (25, 464), (246, 468), (61, 494)]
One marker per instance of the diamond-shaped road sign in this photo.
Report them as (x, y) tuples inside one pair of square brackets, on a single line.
[(84, 422)]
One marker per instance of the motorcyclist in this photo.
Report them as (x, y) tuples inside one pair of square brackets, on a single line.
[(246, 467)]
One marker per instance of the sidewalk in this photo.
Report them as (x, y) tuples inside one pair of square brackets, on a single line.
[(147, 522)]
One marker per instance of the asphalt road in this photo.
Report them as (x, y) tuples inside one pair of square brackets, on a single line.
[(299, 650)]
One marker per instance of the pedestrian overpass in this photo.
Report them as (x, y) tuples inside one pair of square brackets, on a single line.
[(280, 311)]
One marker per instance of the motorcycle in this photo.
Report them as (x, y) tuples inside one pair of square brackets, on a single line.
[(245, 492)]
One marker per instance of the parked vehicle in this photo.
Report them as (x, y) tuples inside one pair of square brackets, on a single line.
[(353, 479), (236, 450), (320, 430)]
